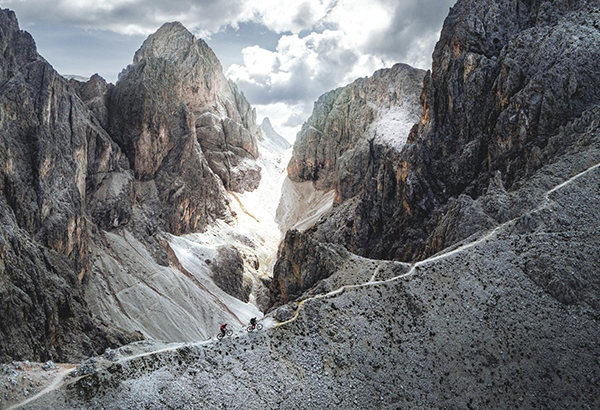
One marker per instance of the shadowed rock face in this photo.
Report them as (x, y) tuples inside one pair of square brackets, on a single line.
[(507, 77), (503, 84), (50, 144), (301, 264)]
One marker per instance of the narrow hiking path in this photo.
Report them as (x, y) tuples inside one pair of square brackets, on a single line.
[(270, 323), (546, 201), (56, 383)]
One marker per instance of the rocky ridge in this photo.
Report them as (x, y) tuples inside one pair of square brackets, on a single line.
[(501, 101), (467, 327), (351, 131), (95, 180)]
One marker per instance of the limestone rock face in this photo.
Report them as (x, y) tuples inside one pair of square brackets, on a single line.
[(94, 177), (498, 99), (351, 132), (50, 144), (174, 103), (504, 85), (333, 150), (94, 93)]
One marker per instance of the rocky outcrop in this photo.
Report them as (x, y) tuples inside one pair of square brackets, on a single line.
[(334, 146), (50, 144), (505, 83), (94, 176), (228, 273), (173, 105), (301, 263)]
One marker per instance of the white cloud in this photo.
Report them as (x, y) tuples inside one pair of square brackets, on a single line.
[(301, 68)]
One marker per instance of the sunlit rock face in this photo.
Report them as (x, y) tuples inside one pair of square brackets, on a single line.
[(269, 134), (334, 145), (185, 127), (94, 180)]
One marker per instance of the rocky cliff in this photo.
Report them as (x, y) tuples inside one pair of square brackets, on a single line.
[(97, 177), (334, 145), (51, 146), (505, 316), (185, 128), (351, 131), (504, 85)]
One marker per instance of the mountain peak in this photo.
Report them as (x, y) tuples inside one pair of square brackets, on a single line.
[(266, 124), (270, 134), (171, 41)]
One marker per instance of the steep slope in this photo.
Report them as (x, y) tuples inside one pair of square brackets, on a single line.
[(467, 328), (51, 144), (96, 182), (507, 77), (192, 143), (351, 130)]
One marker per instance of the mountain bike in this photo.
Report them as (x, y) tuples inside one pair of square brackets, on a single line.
[(257, 326), (221, 335)]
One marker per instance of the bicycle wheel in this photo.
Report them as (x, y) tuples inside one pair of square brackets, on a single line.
[(220, 336), (259, 326), (249, 329), (229, 332)]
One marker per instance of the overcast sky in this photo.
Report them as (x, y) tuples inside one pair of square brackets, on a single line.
[(284, 54)]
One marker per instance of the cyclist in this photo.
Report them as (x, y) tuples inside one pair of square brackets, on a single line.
[(253, 322), (224, 329)]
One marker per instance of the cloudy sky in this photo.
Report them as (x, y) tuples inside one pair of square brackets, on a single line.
[(282, 53)]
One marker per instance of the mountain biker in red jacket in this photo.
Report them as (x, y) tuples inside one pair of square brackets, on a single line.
[(223, 328)]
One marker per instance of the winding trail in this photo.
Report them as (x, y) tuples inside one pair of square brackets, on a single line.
[(60, 376), (372, 282), (546, 200)]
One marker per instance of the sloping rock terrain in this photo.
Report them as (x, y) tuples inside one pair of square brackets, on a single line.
[(96, 177), (505, 316), (472, 327), (501, 101)]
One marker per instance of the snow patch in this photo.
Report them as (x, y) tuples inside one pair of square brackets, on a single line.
[(392, 127)]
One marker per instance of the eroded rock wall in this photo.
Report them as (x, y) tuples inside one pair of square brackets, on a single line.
[(50, 144)]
